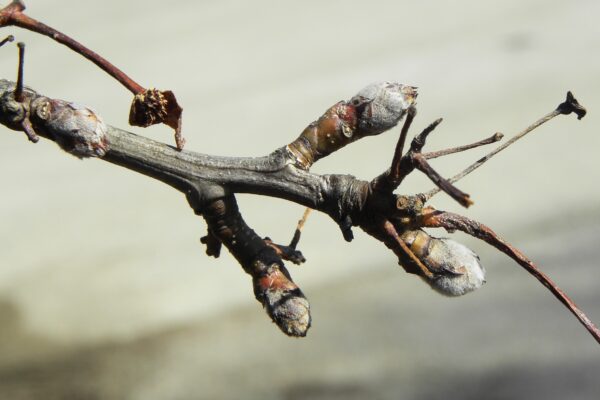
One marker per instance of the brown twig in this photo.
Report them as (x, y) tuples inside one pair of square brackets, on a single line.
[(402, 165), (13, 15), (435, 154), (296, 238), (19, 97), (149, 106), (414, 158), (19, 87), (452, 222), (454, 192), (290, 252), (406, 256), (570, 105), (395, 170)]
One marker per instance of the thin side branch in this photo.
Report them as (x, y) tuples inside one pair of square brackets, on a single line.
[(404, 253), (298, 231), (13, 15), (149, 106), (435, 154), (461, 197), (273, 286), (452, 222), (570, 105), (395, 169)]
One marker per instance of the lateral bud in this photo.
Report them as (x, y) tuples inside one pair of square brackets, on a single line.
[(455, 269), (76, 129)]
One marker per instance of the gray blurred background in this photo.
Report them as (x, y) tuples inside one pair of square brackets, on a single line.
[(105, 290)]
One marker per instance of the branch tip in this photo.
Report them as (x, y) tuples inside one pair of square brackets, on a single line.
[(419, 141), (571, 105), (296, 238), (435, 154), (7, 39), (18, 5)]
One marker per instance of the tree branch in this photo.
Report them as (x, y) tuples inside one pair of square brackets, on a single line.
[(210, 182)]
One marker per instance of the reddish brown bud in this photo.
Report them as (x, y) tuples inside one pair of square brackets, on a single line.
[(283, 300), (375, 109)]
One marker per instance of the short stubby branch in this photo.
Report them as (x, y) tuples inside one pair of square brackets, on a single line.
[(273, 286)]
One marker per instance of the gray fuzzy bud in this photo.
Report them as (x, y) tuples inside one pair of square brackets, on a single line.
[(76, 129), (383, 105), (464, 272)]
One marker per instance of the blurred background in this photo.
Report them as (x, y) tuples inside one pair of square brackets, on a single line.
[(105, 290)]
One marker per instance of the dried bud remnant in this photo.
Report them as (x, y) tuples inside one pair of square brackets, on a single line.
[(154, 107)]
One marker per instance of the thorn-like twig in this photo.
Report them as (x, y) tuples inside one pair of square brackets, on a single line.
[(395, 169), (19, 87), (452, 222), (419, 141), (568, 106), (403, 165), (422, 165), (18, 95), (298, 232), (404, 253), (435, 154)]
